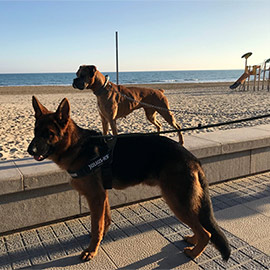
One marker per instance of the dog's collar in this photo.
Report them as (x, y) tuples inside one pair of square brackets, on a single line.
[(102, 90)]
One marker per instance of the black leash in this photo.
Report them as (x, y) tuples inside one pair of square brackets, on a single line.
[(184, 129)]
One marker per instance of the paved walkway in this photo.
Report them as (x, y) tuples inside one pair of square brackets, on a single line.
[(148, 236)]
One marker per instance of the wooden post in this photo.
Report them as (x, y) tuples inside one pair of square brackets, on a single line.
[(259, 78), (268, 84), (265, 74), (264, 70), (244, 86), (249, 67), (116, 44), (254, 72)]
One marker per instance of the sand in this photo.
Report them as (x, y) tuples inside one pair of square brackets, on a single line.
[(193, 104)]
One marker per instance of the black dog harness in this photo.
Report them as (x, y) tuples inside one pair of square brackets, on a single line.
[(102, 161)]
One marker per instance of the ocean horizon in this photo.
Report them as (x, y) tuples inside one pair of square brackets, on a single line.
[(125, 77)]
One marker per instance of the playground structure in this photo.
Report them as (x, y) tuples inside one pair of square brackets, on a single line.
[(259, 73)]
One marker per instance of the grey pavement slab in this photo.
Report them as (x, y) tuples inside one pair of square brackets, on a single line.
[(148, 250), (246, 224), (146, 235)]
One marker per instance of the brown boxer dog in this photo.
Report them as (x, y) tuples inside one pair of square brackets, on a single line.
[(116, 101)]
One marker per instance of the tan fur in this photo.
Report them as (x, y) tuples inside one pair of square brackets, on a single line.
[(113, 105)]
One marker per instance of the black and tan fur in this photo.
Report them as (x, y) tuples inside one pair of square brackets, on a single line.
[(151, 160)]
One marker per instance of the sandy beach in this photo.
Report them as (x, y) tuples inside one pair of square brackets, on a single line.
[(193, 104)]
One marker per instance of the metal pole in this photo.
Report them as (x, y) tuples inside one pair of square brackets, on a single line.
[(116, 43)]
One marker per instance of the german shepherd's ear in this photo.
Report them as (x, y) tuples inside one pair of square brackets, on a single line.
[(38, 107), (62, 112)]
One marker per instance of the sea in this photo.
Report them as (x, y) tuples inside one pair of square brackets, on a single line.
[(138, 77)]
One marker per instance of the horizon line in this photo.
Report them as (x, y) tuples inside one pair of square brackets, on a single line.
[(55, 72)]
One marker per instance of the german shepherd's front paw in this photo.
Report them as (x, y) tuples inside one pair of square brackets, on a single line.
[(87, 255)]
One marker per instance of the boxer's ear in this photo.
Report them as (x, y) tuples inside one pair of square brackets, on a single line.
[(92, 70)]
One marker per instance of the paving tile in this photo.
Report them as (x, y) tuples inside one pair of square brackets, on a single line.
[(140, 224), (175, 224), (79, 227), (238, 243), (264, 260), (70, 245), (177, 240), (139, 209), (147, 251), (128, 228), (54, 250), (3, 248), (211, 251), (115, 233), (36, 250), (150, 207), (5, 265), (261, 205), (101, 261), (85, 222), (125, 212), (252, 265), (161, 204), (20, 263), (239, 219), (230, 264), (240, 257), (13, 242), (30, 237), (37, 254), (46, 233), (83, 240), (252, 252), (61, 230), (211, 265), (161, 214)]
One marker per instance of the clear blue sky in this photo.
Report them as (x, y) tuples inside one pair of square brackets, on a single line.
[(58, 36)]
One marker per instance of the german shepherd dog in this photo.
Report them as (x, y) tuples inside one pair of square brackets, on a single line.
[(152, 160)]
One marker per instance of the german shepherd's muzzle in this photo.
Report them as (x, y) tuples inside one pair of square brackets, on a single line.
[(40, 149), (152, 160)]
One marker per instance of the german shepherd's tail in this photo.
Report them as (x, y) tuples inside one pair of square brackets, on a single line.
[(208, 221)]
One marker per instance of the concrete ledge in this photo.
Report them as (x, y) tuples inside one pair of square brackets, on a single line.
[(33, 192)]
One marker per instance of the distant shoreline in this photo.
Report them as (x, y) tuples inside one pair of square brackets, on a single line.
[(57, 89)]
